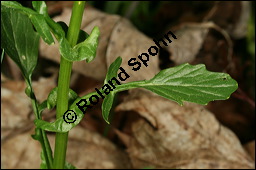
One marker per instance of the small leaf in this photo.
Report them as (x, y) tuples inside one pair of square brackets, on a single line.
[(37, 135), (109, 99), (69, 166), (41, 107), (52, 97), (28, 90), (19, 40), (112, 70), (60, 125), (107, 105), (85, 50)]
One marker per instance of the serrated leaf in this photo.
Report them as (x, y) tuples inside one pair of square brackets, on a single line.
[(19, 40), (52, 97), (188, 83), (182, 83), (85, 50)]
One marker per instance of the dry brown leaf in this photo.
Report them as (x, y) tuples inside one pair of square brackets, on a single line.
[(180, 137), (16, 119), (194, 37), (190, 38), (86, 149), (16, 106), (126, 41), (14, 110), (250, 148), (21, 151), (117, 38)]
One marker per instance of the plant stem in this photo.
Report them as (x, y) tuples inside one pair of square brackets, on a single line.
[(63, 84), (46, 148)]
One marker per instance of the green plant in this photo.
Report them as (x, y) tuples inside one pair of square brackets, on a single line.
[(20, 41)]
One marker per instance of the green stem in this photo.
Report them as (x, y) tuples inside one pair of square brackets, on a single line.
[(44, 142), (63, 84)]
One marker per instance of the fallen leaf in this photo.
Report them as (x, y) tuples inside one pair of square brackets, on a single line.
[(16, 106), (250, 148), (17, 121), (86, 149), (21, 152), (172, 136), (190, 38)]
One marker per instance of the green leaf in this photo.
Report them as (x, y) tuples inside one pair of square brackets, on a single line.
[(43, 164), (188, 83), (37, 19), (38, 136), (85, 50), (40, 23), (41, 107), (112, 70), (107, 105), (182, 83), (42, 28), (52, 97), (109, 99), (40, 7), (59, 125), (69, 166), (2, 55), (19, 40)]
